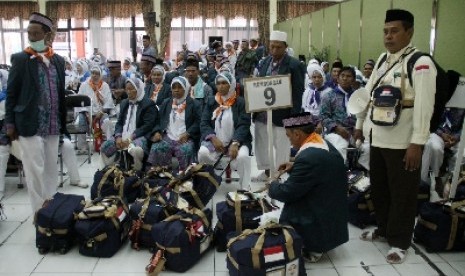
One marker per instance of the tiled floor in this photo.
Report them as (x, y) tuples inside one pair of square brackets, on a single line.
[(19, 257)]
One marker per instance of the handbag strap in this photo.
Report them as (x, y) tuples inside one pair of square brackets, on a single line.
[(390, 68)]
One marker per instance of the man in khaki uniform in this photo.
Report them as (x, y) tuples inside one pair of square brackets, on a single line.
[(396, 151)]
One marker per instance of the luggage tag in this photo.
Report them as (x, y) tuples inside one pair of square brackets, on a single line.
[(362, 185), (92, 212), (157, 263)]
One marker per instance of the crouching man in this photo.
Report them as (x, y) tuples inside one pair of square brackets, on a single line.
[(315, 193)]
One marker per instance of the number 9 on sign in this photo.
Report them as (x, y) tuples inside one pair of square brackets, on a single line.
[(267, 93), (270, 96)]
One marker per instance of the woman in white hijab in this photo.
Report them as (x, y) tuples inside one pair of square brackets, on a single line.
[(315, 89), (226, 126), (179, 130), (158, 90), (82, 70), (102, 103), (136, 120)]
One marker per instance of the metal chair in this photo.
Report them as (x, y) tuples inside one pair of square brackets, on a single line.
[(79, 101)]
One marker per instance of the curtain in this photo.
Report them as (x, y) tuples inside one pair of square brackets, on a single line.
[(94, 9), (23, 10), (97, 9), (248, 9), (292, 9)]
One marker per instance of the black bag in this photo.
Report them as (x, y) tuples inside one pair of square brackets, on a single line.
[(446, 83), (361, 209), (441, 226), (157, 177), (181, 240), (387, 105), (102, 227), (240, 211), (273, 248), (111, 181), (197, 184), (55, 223), (460, 192), (423, 195), (145, 212)]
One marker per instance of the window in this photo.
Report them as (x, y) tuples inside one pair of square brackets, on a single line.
[(196, 31), (13, 38)]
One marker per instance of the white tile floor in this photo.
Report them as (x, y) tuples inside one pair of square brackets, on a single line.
[(19, 257)]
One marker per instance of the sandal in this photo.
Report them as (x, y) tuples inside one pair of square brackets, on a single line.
[(312, 257), (372, 236), (396, 255)]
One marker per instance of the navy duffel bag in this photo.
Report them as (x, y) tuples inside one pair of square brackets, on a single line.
[(180, 240), (55, 223), (240, 211), (112, 181), (102, 227), (441, 226), (271, 249), (154, 208), (197, 184)]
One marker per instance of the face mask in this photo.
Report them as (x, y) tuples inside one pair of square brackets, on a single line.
[(39, 45)]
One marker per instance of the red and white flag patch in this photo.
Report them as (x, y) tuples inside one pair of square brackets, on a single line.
[(121, 213), (273, 254), (423, 67)]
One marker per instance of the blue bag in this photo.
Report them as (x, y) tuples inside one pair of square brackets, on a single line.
[(111, 181), (55, 223), (181, 240), (102, 227), (273, 248)]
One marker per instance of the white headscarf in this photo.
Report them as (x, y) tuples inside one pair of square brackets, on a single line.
[(137, 83), (311, 68), (185, 85), (84, 67), (160, 69), (226, 75)]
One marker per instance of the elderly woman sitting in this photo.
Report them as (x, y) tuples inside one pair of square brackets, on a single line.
[(136, 120), (178, 131), (225, 122), (158, 90), (100, 94)]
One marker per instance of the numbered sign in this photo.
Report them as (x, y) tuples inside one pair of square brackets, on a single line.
[(267, 93)]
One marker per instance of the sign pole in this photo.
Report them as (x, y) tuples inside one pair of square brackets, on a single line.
[(269, 129)]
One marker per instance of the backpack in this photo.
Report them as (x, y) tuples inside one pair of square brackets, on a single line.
[(445, 86)]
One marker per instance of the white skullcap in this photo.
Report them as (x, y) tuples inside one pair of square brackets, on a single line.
[(278, 36)]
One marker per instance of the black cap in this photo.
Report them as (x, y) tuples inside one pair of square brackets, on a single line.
[(114, 64), (396, 14), (192, 63), (337, 64), (146, 37)]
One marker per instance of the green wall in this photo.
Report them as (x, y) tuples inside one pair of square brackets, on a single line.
[(360, 35)]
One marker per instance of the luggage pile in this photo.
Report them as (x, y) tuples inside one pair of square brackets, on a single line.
[(241, 210)]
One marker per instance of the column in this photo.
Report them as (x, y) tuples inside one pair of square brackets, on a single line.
[(273, 13), (157, 10), (42, 6)]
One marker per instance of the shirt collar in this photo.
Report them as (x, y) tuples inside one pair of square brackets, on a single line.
[(395, 56)]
